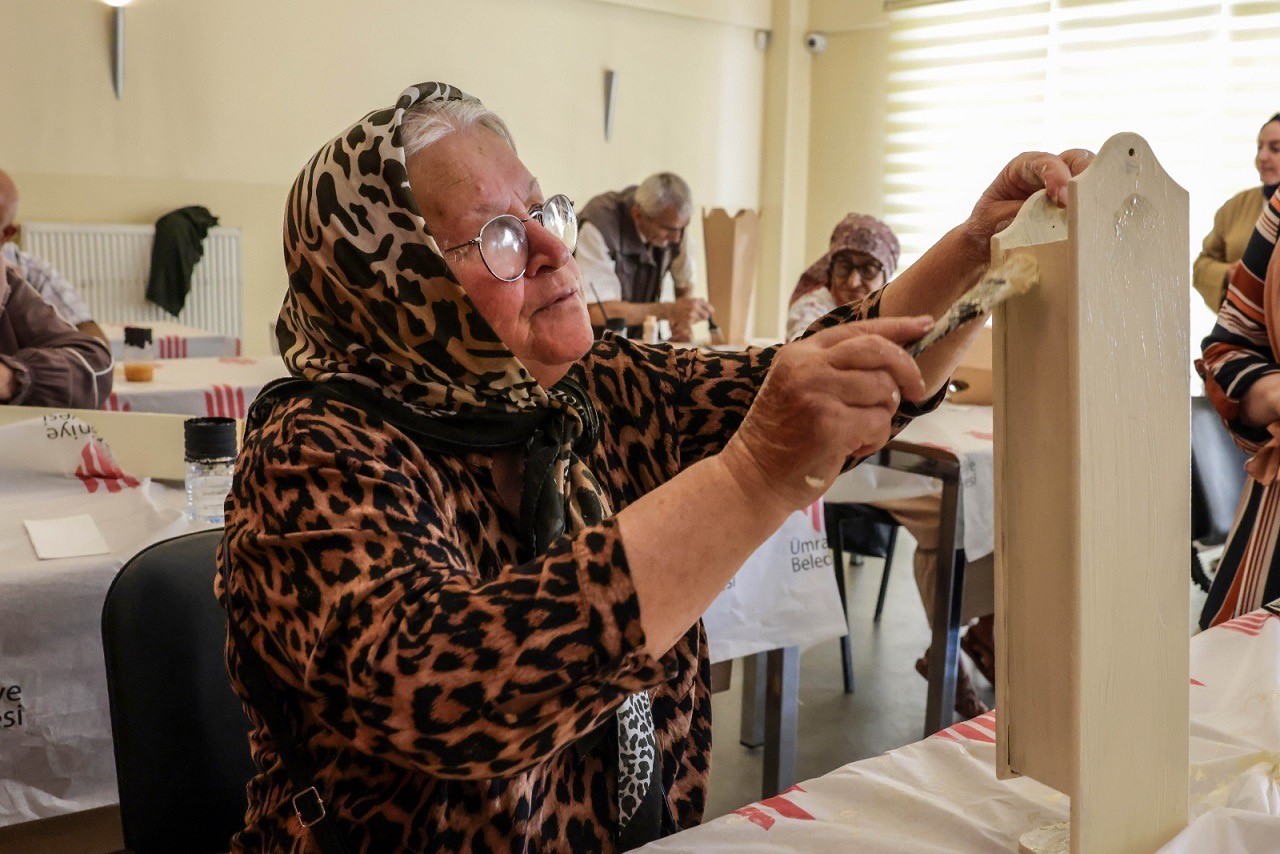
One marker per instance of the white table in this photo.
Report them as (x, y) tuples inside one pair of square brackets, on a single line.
[(948, 452), (58, 759), (941, 794), (175, 340), (963, 432), (211, 386)]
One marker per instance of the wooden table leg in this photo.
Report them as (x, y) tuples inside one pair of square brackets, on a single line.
[(948, 590), (782, 712), (753, 684)]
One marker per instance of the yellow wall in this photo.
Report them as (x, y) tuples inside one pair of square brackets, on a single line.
[(785, 172), (846, 137), (225, 99)]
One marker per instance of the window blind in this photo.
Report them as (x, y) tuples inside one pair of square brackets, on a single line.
[(973, 82)]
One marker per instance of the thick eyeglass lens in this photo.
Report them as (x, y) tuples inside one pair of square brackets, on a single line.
[(504, 245), (559, 219)]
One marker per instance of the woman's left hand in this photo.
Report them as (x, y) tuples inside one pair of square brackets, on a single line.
[(1024, 175)]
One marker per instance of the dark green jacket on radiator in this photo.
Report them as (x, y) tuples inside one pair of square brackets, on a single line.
[(178, 247)]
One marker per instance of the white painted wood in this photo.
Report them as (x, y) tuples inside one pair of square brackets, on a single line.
[(1092, 503)]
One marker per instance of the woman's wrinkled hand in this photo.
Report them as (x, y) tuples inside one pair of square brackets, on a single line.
[(1022, 176), (826, 397)]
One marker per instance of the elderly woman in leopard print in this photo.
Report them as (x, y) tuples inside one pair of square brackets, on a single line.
[(468, 548)]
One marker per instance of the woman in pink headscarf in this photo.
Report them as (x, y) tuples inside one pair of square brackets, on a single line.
[(861, 259)]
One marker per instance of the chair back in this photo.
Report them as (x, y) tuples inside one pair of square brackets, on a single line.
[(1217, 475), (180, 732)]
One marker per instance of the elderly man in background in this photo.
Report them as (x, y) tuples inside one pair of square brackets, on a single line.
[(629, 240), (44, 361), (51, 285)]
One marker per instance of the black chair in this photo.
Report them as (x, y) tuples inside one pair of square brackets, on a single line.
[(180, 733), (1217, 481), (858, 529)]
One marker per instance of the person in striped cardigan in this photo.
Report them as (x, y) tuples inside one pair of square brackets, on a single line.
[(1241, 370)]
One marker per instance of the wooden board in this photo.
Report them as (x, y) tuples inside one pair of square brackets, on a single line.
[(971, 380), (1092, 456), (732, 255)]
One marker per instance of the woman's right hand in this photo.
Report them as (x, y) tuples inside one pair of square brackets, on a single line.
[(826, 397)]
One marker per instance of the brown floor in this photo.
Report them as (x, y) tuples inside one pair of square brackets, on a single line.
[(93, 832)]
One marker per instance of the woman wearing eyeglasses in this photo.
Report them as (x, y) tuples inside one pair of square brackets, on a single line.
[(862, 256), (468, 548)]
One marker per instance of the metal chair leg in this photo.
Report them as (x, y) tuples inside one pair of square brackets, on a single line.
[(846, 649), (944, 652), (884, 576), (754, 678)]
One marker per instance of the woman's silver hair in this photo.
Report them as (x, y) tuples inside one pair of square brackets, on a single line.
[(662, 192), (430, 121)]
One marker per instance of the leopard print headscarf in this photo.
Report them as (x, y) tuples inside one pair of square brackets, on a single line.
[(370, 299), (371, 302), (373, 310)]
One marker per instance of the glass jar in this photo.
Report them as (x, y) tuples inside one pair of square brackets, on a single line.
[(211, 456), (139, 355)]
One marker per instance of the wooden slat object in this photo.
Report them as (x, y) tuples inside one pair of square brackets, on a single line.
[(972, 377), (1092, 502), (144, 444), (732, 254)]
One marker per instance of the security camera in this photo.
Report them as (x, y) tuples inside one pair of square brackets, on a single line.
[(815, 42)]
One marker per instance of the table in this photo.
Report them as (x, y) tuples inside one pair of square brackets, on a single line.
[(208, 386), (783, 598), (175, 340), (56, 752), (941, 794), (954, 446)]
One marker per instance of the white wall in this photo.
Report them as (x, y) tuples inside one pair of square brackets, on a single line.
[(225, 99)]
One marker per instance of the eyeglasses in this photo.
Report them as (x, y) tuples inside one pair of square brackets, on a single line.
[(867, 270), (504, 240)]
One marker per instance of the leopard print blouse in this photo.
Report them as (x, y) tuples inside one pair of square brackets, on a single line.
[(439, 684)]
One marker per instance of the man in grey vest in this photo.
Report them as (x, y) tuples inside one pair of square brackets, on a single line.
[(628, 241)]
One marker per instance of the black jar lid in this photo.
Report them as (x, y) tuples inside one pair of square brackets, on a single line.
[(137, 336), (209, 439)]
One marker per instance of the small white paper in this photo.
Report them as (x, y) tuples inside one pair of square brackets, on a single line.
[(70, 536)]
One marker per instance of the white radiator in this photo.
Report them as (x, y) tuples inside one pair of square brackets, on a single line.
[(109, 264)]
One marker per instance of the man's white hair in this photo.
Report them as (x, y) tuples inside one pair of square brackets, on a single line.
[(662, 192), (428, 122)]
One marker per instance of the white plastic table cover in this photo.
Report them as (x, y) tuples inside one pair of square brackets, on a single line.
[(965, 431), (175, 340), (223, 386), (55, 734), (941, 794)]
